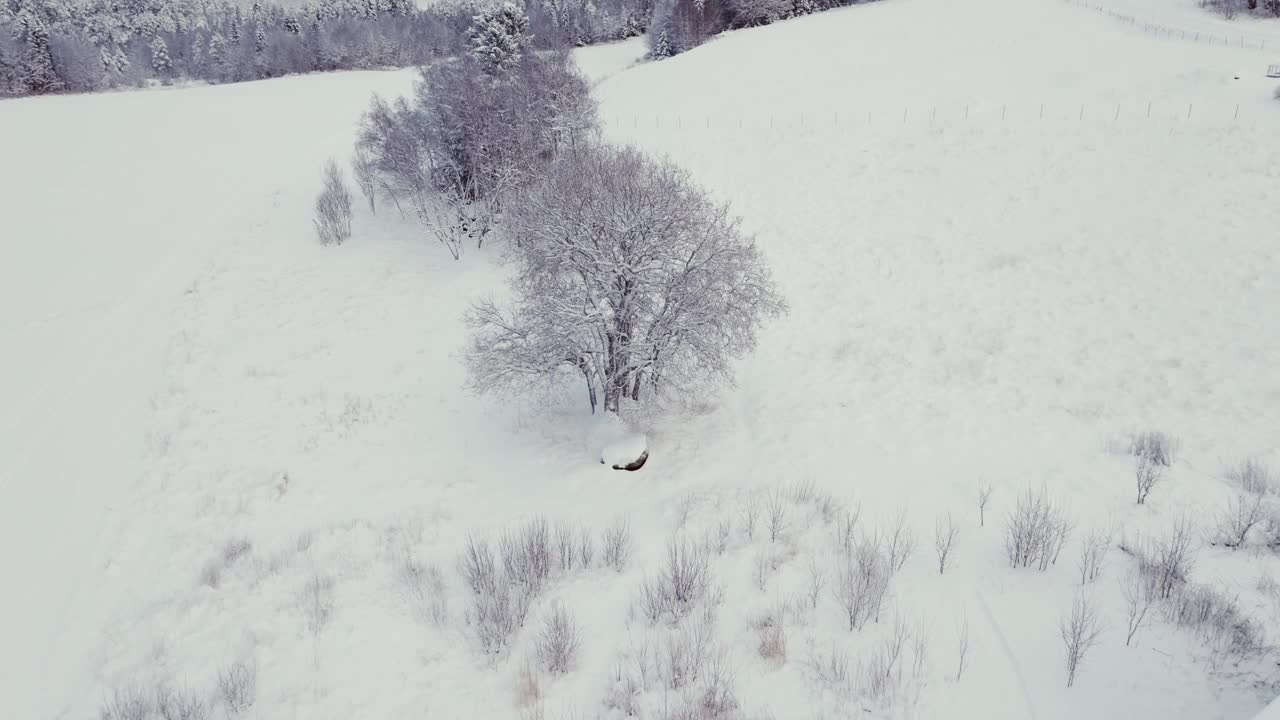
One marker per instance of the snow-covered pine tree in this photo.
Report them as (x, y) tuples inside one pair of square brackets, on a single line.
[(160, 57), (36, 71), (259, 40), (217, 55), (498, 38), (292, 26)]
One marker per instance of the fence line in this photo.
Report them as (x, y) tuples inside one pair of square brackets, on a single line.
[(1147, 112), (1195, 36)]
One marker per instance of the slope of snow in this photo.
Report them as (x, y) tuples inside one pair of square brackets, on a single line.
[(1011, 232)]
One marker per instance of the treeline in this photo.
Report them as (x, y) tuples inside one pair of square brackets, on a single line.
[(680, 25), (53, 46)]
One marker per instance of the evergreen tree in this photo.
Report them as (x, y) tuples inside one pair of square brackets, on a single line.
[(498, 38), (259, 41), (36, 71), (160, 57), (292, 26)]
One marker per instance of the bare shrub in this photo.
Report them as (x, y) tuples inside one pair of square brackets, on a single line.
[(366, 175), (565, 549), (128, 703), (586, 547), (817, 580), (1146, 473), (559, 641), (684, 653), (425, 589), (477, 566), (776, 516), (1243, 512), (496, 615), (1253, 477), (238, 686), (763, 569), (235, 549), (846, 525), (526, 554), (962, 642), (724, 529), (1157, 447), (528, 688), (863, 582), (802, 491), (503, 587), (333, 208), (317, 602), (1139, 595), (617, 545), (1271, 531), (984, 497), (833, 671), (750, 511), (901, 543), (1217, 619), (683, 582), (183, 704), (881, 672), (211, 574), (771, 637), (945, 533), (1093, 553), (1036, 531), (1079, 631), (1166, 562)]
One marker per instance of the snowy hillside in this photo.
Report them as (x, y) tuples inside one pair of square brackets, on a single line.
[(1012, 234)]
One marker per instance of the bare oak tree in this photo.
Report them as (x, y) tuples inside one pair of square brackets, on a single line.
[(630, 276)]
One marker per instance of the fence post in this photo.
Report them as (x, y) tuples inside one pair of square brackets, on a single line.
[(1237, 115)]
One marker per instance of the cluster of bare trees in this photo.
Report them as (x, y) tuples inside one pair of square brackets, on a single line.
[(478, 128)]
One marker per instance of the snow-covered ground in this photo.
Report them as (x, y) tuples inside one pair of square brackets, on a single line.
[(1011, 232)]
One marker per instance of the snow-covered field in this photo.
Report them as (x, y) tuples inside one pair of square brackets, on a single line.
[(1011, 233)]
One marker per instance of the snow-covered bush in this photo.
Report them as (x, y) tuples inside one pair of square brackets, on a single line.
[(629, 276), (333, 208)]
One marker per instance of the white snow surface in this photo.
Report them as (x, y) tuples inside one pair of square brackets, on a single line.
[(1011, 232)]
